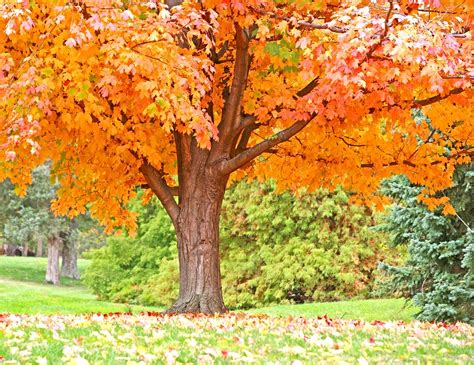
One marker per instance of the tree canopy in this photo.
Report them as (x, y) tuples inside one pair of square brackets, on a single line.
[(117, 92)]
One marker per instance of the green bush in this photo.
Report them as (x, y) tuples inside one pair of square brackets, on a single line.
[(283, 248), (439, 273), (276, 248), (120, 270)]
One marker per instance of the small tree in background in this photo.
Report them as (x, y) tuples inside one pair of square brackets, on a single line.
[(29, 222), (439, 274)]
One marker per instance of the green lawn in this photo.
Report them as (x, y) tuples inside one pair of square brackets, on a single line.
[(63, 325), (32, 298), (32, 269), (369, 310), (22, 290)]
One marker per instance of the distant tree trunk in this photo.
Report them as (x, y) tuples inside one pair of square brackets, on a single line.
[(52, 270), (24, 252), (69, 267), (39, 249), (10, 250)]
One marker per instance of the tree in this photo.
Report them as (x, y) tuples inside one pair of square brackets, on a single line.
[(439, 272), (182, 99), (29, 219)]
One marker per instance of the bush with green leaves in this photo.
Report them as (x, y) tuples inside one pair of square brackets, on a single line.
[(287, 248), (276, 248), (439, 273), (119, 271)]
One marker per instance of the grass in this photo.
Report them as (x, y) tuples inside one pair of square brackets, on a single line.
[(63, 324), (22, 291), (32, 298), (33, 269), (368, 310), (235, 338)]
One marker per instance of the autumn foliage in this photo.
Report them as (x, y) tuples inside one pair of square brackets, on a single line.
[(98, 88), (122, 94)]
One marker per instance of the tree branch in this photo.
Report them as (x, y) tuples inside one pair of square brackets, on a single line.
[(158, 185), (435, 99), (232, 106), (385, 31), (228, 166), (244, 138), (173, 189), (467, 151)]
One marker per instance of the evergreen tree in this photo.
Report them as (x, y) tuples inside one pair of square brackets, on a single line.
[(438, 274)]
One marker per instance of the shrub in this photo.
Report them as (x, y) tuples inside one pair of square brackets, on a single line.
[(120, 269), (283, 248)]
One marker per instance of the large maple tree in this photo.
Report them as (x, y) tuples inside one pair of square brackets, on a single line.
[(181, 97)]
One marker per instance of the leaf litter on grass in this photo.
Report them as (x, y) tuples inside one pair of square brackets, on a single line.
[(153, 338)]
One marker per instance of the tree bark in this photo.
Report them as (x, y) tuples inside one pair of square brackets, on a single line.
[(24, 252), (198, 247), (39, 248), (69, 267), (52, 270)]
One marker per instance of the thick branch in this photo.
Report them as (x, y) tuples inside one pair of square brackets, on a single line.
[(232, 107), (158, 185), (173, 189), (228, 166)]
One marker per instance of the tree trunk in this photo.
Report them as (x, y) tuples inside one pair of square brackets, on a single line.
[(39, 249), (69, 267), (52, 270), (198, 248), (24, 252)]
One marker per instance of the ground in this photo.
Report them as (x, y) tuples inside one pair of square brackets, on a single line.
[(67, 325)]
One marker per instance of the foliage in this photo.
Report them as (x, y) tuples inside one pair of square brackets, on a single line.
[(121, 268), (27, 219), (229, 339), (281, 248), (276, 248), (104, 91), (439, 273)]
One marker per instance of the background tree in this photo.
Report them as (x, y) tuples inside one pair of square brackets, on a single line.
[(25, 221), (28, 220), (439, 274), (310, 93)]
